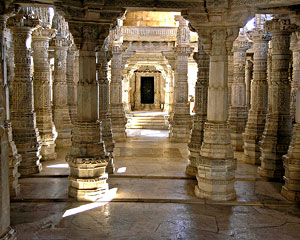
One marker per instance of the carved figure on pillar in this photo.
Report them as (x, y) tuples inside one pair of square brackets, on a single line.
[(216, 164), (61, 114), (259, 96), (277, 133), (104, 57), (180, 124), (42, 89), (291, 161), (87, 158), (238, 110), (23, 117), (200, 117)]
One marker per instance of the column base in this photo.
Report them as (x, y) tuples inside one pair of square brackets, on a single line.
[(252, 159), (180, 128), (216, 179), (48, 152), (87, 177), (110, 168), (63, 142), (290, 194), (10, 234), (191, 170), (14, 163), (27, 171), (237, 142)]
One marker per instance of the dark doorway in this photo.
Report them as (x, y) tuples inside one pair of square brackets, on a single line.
[(147, 90)]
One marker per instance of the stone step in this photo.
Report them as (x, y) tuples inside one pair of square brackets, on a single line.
[(148, 127)]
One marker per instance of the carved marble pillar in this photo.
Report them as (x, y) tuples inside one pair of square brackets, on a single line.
[(42, 89), (201, 90), (230, 77), (259, 97), (6, 232), (72, 88), (104, 114), (248, 79), (5, 70), (216, 164), (295, 76), (87, 158), (61, 113), (238, 110), (181, 123), (291, 161), (23, 117), (118, 119), (277, 133)]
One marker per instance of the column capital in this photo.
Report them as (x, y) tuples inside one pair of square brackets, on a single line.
[(295, 42), (279, 25), (218, 41), (183, 50), (88, 35), (23, 19), (241, 44), (43, 33), (258, 34)]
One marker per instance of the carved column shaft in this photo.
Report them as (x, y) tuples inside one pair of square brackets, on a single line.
[(216, 164), (230, 77), (294, 82), (118, 119), (104, 114), (72, 88), (259, 97), (23, 117), (248, 79), (61, 114), (42, 89), (200, 116), (238, 110), (277, 133), (180, 128), (5, 70), (87, 158), (291, 189)]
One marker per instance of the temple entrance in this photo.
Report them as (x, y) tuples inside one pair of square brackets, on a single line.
[(147, 90)]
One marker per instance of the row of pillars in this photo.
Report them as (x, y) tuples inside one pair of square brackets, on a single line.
[(264, 133)]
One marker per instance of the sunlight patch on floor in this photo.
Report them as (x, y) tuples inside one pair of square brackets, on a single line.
[(61, 165), (110, 195)]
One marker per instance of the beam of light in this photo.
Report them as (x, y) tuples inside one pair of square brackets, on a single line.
[(121, 170), (61, 165), (110, 195)]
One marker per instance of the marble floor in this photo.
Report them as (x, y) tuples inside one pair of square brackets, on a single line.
[(154, 200)]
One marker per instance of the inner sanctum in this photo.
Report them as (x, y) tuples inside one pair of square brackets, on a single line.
[(149, 119)]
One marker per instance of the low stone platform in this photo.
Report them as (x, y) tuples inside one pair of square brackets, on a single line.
[(147, 120)]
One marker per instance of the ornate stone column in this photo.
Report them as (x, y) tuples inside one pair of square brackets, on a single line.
[(6, 232), (87, 158), (61, 114), (180, 125), (72, 88), (104, 57), (291, 161), (216, 164), (248, 79), (238, 110), (277, 134), (5, 70), (42, 89), (230, 77), (295, 75), (201, 89), (259, 96), (23, 117)]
